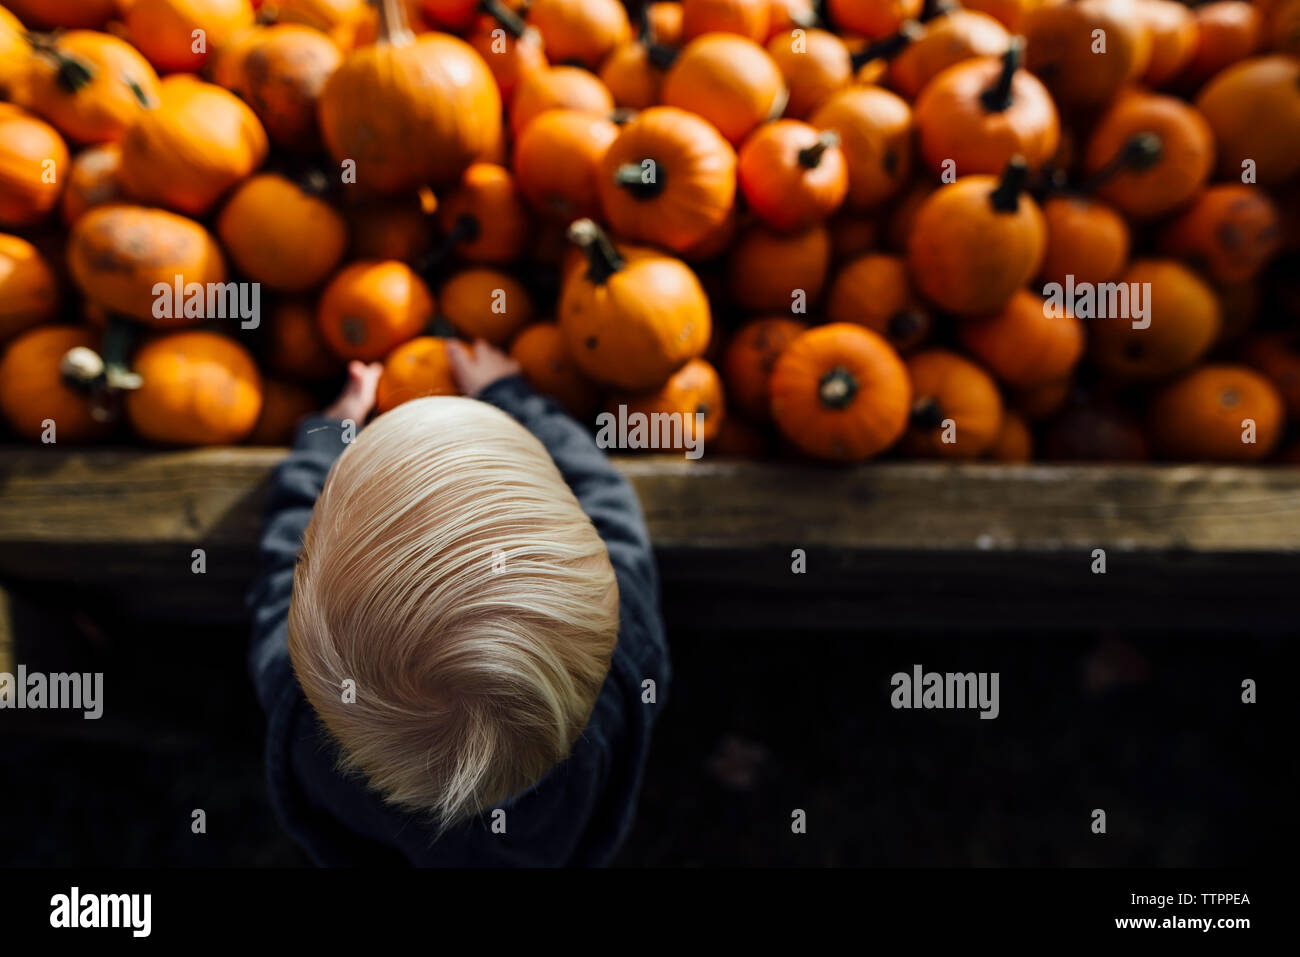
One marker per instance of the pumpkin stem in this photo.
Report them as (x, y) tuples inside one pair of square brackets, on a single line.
[(632, 177), (811, 156), (888, 47), (603, 259), (837, 388), (936, 8), (393, 28), (661, 57), (926, 413), (997, 98), (103, 377), (1141, 152), (71, 71), (1006, 197), (141, 96), (510, 21)]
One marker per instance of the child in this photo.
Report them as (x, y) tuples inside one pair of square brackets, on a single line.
[(462, 666)]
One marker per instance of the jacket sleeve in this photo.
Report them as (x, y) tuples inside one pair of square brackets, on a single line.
[(295, 486)]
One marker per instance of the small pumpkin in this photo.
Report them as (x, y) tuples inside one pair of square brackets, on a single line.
[(284, 404), (33, 166), (511, 49), (164, 30), (281, 235), (728, 80), (875, 129), (395, 228), (1218, 413), (981, 112), (1150, 154), (543, 354), (1014, 443), (188, 151), (33, 390), (1062, 49), (956, 409), (558, 162), (630, 316), (1230, 232), (342, 20), (90, 86), (485, 216), (370, 307), (815, 64), (1253, 107), (665, 21), (840, 392), (295, 347), (281, 77), (748, 360), (633, 76), (1227, 32), (486, 304), (778, 272), (1086, 239), (874, 291), (559, 88), (747, 18), (693, 395), (29, 289), (117, 254), (872, 18), (14, 50), (1174, 34), (413, 370), (410, 110), (1277, 356), (580, 31), (669, 179), (1026, 344), (792, 175), (198, 388), (93, 180), (956, 35), (1010, 13), (1182, 322), (976, 241)]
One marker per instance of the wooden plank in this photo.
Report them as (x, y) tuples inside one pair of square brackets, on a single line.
[(889, 545)]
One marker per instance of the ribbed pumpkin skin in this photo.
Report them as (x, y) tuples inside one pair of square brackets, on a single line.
[(32, 388)]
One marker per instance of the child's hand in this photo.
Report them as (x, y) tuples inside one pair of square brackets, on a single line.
[(358, 395), (477, 367)]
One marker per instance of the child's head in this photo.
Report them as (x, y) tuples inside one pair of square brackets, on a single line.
[(450, 574)]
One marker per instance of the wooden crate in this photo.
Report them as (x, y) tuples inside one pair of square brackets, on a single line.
[(888, 546)]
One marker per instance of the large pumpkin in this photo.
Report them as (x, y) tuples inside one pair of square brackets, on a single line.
[(484, 216), (33, 165), (198, 388), (413, 370), (1253, 108), (749, 358), (33, 390), (1026, 345), (1231, 232), (956, 409), (165, 31), (190, 149), (29, 290), (792, 175), (631, 316), (369, 308), (547, 364), (558, 162), (693, 396), (840, 392), (1220, 413), (117, 254), (875, 129), (874, 291), (410, 109), (485, 304), (728, 80)]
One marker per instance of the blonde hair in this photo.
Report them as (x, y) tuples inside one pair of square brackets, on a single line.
[(450, 573)]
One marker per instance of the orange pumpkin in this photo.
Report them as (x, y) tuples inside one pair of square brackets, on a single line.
[(414, 370), (792, 175), (283, 71), (633, 75), (1150, 154), (198, 388), (875, 291), (281, 235), (1010, 13), (1026, 344), (669, 179), (956, 409), (778, 272), (1230, 232), (580, 31), (369, 308), (665, 21), (93, 180), (1014, 444), (29, 289), (1065, 50), (692, 395), (728, 80), (118, 254), (194, 146), (1173, 31), (485, 215), (839, 392), (1253, 108), (815, 65), (952, 37), (1277, 355), (872, 18), (875, 129), (630, 316), (980, 113), (164, 30), (1227, 32), (1219, 413), (68, 14), (1085, 239), (748, 360), (90, 86), (558, 162), (295, 347), (1182, 322), (14, 50), (343, 20), (397, 228), (511, 49), (33, 391), (486, 304), (543, 354), (33, 166), (976, 241), (558, 88), (747, 18), (410, 109), (284, 405)]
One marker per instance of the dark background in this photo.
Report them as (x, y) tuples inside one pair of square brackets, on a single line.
[(1151, 728)]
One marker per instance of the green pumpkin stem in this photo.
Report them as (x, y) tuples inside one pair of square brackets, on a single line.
[(888, 47), (1141, 152), (838, 388), (138, 91), (997, 98), (510, 21), (1006, 197), (810, 157), (603, 259), (631, 176)]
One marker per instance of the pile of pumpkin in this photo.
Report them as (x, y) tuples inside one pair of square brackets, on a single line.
[(828, 227)]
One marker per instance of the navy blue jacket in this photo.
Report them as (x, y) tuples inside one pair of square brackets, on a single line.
[(579, 813)]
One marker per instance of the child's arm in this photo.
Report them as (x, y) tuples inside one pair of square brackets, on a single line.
[(295, 486)]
